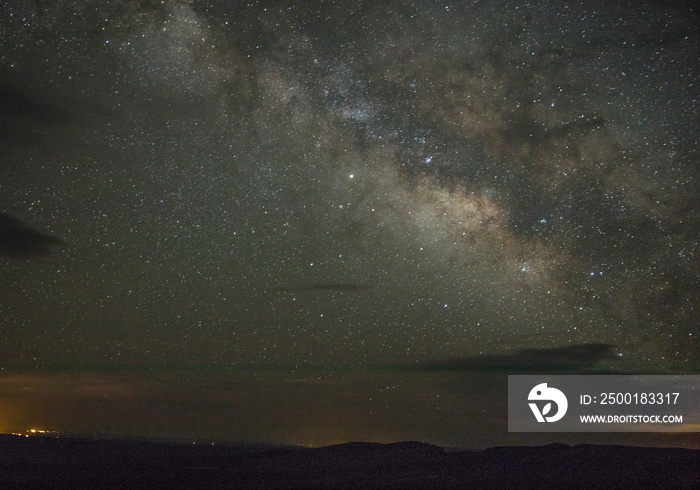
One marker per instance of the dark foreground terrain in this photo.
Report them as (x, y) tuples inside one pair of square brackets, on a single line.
[(74, 463)]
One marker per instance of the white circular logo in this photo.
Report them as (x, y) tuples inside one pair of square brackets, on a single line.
[(542, 392)]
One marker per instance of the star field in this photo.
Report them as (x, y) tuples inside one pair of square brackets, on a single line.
[(350, 184)]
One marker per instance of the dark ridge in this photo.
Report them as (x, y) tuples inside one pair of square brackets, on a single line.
[(37, 462)]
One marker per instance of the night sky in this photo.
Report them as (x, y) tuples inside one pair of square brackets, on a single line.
[(312, 223)]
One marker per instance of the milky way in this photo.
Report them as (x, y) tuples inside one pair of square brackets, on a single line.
[(494, 177)]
